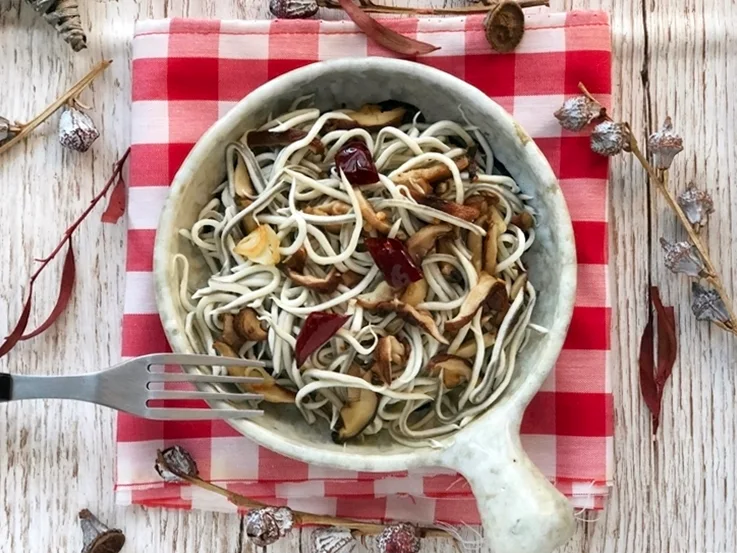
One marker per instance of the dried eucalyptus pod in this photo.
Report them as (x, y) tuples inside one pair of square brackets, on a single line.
[(608, 138), (402, 537), (293, 9), (266, 525), (576, 113), (333, 540), (707, 304), (173, 461), (97, 537), (76, 130), (64, 16), (682, 257), (697, 205), (664, 145), (504, 26)]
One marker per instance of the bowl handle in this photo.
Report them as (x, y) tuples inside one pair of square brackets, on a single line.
[(520, 509)]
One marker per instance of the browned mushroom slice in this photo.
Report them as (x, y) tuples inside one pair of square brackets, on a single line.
[(296, 261), (229, 334), (334, 207), (369, 215), (415, 293), (268, 139), (466, 212), (407, 312), (496, 228), (370, 116), (382, 293), (419, 188), (350, 279), (326, 285), (431, 173), (248, 326), (454, 369), (389, 354), (268, 388), (359, 410), (476, 246), (487, 286), (445, 247), (523, 220), (248, 223), (424, 239), (469, 347)]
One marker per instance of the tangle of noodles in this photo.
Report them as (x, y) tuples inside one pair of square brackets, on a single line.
[(288, 189)]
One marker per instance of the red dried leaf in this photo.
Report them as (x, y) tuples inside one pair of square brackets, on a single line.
[(648, 387), (66, 286), (667, 342), (20, 326), (391, 40), (116, 204)]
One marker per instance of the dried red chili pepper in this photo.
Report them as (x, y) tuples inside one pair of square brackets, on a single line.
[(317, 329), (394, 260), (356, 161)]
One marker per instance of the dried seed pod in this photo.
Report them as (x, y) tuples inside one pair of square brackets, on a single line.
[(266, 525), (696, 205), (399, 538), (608, 138), (504, 26), (293, 9), (97, 537), (175, 460), (682, 257), (664, 145), (7, 130), (576, 113), (76, 130), (64, 16), (707, 304), (333, 540)]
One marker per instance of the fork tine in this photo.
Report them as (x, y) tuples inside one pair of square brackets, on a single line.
[(164, 413), (207, 378), (197, 359), (178, 394)]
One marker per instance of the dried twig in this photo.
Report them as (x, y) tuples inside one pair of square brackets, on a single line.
[(73, 92)]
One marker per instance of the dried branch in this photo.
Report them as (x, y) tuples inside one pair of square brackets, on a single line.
[(24, 129)]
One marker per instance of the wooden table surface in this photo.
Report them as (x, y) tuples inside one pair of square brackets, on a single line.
[(677, 495)]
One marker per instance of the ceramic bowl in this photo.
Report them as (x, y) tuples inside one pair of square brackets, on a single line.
[(521, 511)]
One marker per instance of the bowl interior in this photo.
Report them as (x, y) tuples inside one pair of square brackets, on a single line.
[(551, 260)]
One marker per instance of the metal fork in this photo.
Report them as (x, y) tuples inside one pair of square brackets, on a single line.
[(125, 387)]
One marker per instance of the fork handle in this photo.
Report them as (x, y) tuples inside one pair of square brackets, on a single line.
[(79, 387)]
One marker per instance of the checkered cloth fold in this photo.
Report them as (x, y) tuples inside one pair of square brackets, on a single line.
[(187, 73)]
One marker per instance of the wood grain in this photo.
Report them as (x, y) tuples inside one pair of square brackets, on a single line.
[(674, 495)]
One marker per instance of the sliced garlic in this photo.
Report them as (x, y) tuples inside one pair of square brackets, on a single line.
[(260, 246)]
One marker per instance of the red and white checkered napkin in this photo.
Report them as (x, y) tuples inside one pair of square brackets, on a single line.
[(188, 73)]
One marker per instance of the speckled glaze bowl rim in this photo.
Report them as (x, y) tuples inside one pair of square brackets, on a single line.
[(504, 416)]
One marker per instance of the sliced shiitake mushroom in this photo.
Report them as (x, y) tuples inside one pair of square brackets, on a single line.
[(486, 287), (371, 116), (497, 227), (269, 139), (454, 369), (351, 279), (229, 334), (415, 293), (424, 239), (444, 247), (333, 207), (327, 284), (431, 173), (358, 411), (418, 188), (382, 293), (248, 327), (409, 313), (469, 347), (370, 216), (523, 220), (466, 212), (476, 246), (296, 261), (389, 355), (268, 388)]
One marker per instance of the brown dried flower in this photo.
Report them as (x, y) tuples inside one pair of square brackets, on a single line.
[(333, 540), (707, 304), (293, 9), (576, 113), (682, 257), (174, 461), (505, 26), (76, 130), (664, 145), (608, 138), (97, 537), (696, 205), (399, 538), (266, 525)]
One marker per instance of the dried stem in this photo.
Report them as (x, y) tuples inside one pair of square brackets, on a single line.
[(27, 128), (369, 7), (358, 527), (660, 179)]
